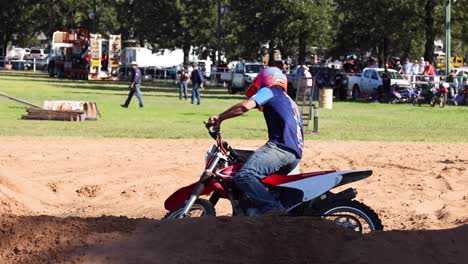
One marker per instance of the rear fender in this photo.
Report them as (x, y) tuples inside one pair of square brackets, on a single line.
[(180, 196), (319, 183), (314, 186), (354, 175)]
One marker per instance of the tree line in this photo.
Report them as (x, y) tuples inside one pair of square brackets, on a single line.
[(249, 29)]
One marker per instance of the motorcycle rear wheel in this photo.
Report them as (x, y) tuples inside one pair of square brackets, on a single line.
[(200, 208), (353, 215)]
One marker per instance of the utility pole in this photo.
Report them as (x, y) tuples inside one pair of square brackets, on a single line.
[(218, 33), (448, 55), (94, 16)]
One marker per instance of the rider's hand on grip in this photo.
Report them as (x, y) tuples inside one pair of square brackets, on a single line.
[(214, 133), (214, 122)]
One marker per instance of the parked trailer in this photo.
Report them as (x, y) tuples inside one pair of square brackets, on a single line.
[(79, 55)]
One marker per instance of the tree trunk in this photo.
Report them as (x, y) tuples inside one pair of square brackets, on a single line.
[(186, 49), (6, 38), (385, 51), (380, 55), (429, 23), (302, 51), (2, 45)]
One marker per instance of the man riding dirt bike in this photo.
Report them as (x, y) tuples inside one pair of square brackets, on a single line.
[(439, 95), (257, 183), (283, 150)]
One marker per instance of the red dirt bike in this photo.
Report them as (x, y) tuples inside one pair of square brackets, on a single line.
[(439, 96), (303, 194)]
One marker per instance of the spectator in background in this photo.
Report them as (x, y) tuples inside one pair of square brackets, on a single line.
[(429, 71), (405, 68), (459, 98), (183, 79), (422, 65), (135, 83), (397, 66), (462, 77), (104, 61), (414, 70), (286, 67), (373, 64), (386, 83), (453, 82), (306, 80), (197, 82)]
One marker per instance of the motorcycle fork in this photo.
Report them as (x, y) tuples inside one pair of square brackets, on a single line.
[(200, 186), (197, 190)]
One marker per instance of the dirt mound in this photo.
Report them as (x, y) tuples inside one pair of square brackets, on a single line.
[(42, 239), (45, 239), (415, 186)]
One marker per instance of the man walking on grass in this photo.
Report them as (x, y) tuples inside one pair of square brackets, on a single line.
[(134, 86)]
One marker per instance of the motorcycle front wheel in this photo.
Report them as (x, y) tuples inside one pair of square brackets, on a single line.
[(200, 208), (353, 215)]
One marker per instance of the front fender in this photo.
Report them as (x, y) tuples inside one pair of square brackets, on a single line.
[(180, 196)]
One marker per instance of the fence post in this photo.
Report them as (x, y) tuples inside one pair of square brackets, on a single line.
[(315, 119)]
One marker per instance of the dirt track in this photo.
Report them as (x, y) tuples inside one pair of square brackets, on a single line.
[(415, 186)]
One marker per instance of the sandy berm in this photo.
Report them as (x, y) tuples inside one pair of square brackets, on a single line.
[(101, 200)]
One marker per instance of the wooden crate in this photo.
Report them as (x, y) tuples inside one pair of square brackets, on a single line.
[(42, 114)]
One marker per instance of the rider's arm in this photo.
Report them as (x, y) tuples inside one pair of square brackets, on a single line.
[(262, 97), (237, 110)]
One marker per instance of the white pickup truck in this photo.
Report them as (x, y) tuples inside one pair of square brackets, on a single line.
[(242, 76), (371, 79)]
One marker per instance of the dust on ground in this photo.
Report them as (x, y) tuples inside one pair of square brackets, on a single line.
[(100, 201)]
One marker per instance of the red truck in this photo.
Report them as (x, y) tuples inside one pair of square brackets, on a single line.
[(77, 54)]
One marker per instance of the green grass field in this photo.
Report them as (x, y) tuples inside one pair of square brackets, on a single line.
[(164, 116)]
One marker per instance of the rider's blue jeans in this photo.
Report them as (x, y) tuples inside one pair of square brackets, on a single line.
[(267, 160)]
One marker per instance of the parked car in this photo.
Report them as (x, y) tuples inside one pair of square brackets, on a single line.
[(37, 53), (370, 80), (17, 53), (41, 64), (243, 74), (323, 77), (204, 66)]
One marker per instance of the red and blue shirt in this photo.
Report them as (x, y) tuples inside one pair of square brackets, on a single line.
[(283, 119)]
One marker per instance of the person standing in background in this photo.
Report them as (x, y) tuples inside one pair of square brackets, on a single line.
[(183, 79), (197, 82), (306, 80), (405, 68), (429, 71), (414, 70), (306, 77), (135, 83), (422, 65)]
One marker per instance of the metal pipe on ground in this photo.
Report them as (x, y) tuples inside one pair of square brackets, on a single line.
[(19, 100)]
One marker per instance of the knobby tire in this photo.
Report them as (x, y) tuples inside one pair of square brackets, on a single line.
[(205, 205)]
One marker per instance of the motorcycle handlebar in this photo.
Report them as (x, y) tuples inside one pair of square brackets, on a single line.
[(216, 135)]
